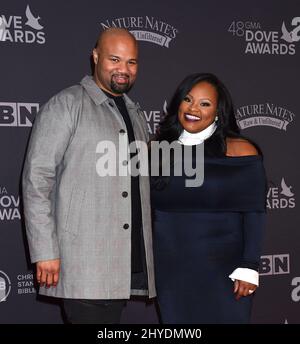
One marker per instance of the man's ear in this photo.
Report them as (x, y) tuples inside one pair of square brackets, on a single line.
[(95, 56)]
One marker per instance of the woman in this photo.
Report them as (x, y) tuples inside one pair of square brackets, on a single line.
[(209, 236)]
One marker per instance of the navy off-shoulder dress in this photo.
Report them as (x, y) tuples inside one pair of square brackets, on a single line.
[(202, 234)]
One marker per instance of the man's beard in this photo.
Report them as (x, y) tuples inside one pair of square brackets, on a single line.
[(120, 88)]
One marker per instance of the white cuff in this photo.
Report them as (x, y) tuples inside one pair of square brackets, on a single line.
[(245, 274)]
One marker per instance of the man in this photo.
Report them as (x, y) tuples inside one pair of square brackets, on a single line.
[(90, 234)]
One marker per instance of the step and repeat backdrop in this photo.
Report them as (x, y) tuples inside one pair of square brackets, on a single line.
[(253, 46)]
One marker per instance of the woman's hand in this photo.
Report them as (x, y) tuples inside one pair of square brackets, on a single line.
[(242, 288)]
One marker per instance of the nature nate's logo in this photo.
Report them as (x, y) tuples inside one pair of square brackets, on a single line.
[(265, 114), (145, 28), (21, 29), (267, 42)]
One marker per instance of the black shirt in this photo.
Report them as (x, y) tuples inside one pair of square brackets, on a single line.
[(136, 210)]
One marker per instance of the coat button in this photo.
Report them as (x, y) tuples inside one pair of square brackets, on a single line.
[(125, 163), (126, 226), (122, 131), (124, 194)]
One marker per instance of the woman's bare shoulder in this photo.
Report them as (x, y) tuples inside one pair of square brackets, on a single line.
[(240, 147)]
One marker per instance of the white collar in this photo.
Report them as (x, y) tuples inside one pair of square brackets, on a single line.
[(190, 139)]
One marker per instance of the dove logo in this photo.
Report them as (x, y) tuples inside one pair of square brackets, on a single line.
[(286, 190), (148, 29), (266, 42), (31, 20), (5, 286), (264, 114), (154, 117), (18, 29), (281, 197), (294, 35), (9, 206)]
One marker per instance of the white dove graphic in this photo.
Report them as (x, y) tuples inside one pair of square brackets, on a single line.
[(286, 190), (165, 108), (2, 30), (32, 21), (285, 34)]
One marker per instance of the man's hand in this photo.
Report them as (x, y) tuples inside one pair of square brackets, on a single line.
[(242, 288), (47, 272)]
